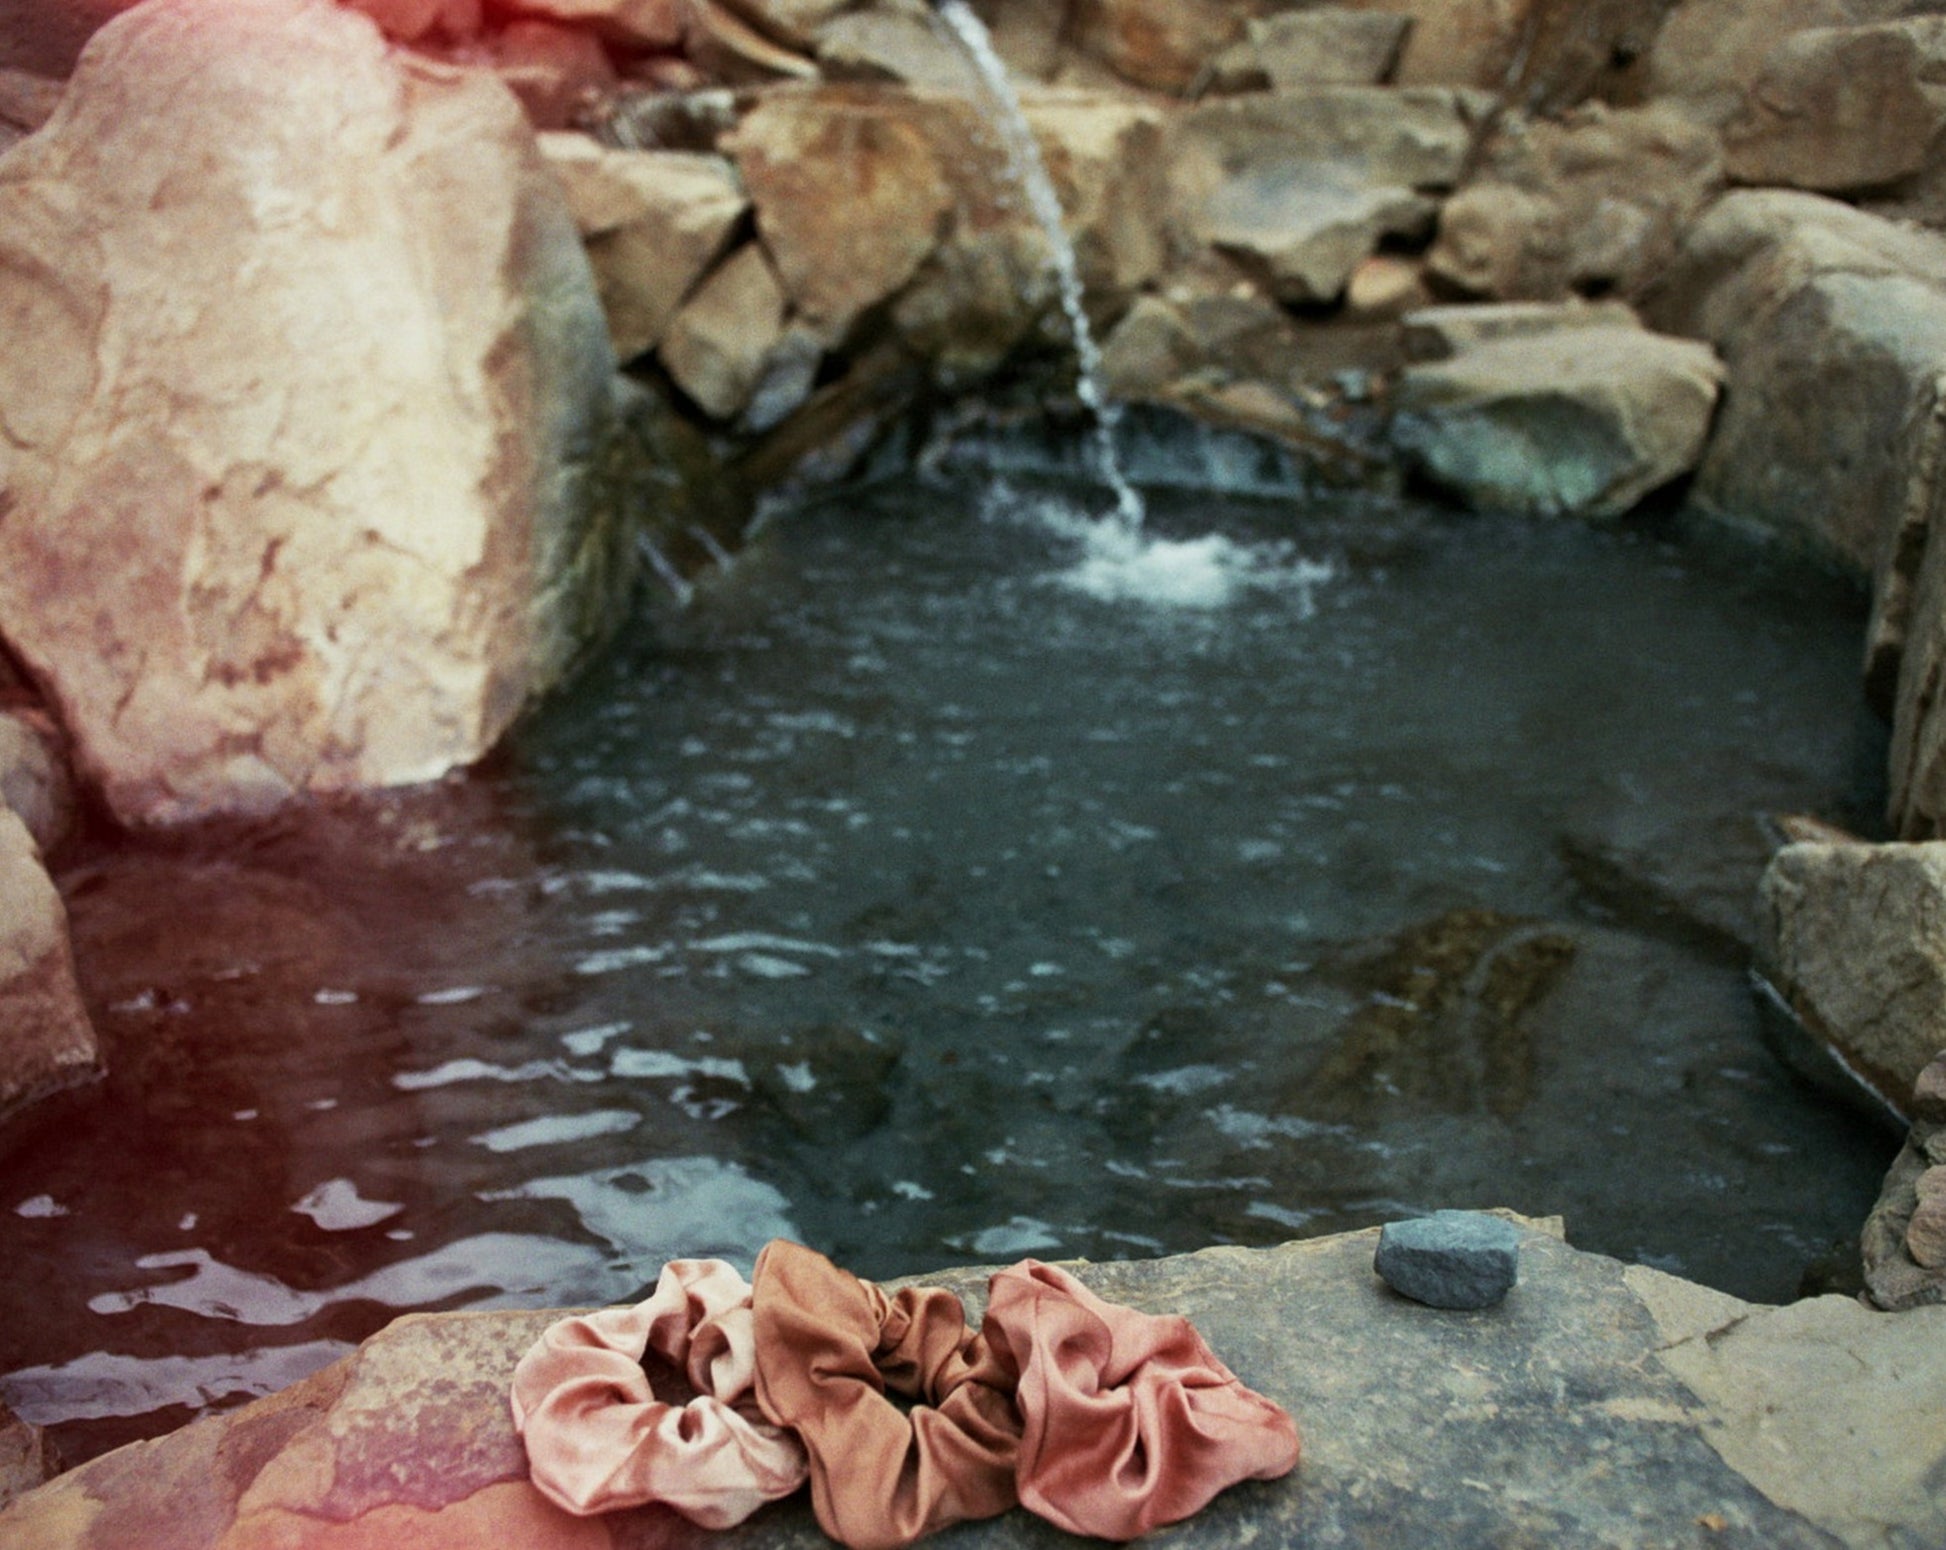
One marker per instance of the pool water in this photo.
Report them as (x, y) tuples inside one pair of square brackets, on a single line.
[(954, 880)]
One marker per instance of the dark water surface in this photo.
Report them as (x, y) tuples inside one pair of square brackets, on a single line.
[(909, 897)]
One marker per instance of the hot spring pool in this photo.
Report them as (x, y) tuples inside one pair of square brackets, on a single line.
[(938, 888)]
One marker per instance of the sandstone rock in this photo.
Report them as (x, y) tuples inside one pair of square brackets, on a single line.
[(1416, 139), (27, 101), (1386, 286), (1106, 158), (309, 506), (732, 52), (720, 343), (807, 154), (558, 73), (1854, 937), (1028, 35), (1149, 349), (1793, 1427), (1330, 45), (890, 42), (659, 24), (1925, 1234), (34, 778), (1574, 422), (1709, 52), (653, 222), (1162, 44), (685, 120), (1302, 240), (1929, 1095), (1843, 108), (1457, 42), (25, 1458), (1592, 203), (46, 1043), (1439, 333), (1903, 1242), (411, 21), (1810, 303)]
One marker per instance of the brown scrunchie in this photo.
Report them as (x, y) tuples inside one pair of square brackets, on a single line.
[(831, 1346), (1130, 1420)]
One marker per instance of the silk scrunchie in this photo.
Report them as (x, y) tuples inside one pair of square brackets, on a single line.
[(830, 1347), (597, 1437), (1129, 1420)]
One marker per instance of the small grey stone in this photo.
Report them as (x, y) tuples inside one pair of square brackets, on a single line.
[(1451, 1259)]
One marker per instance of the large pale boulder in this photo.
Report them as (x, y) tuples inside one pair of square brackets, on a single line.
[(1592, 202), (1811, 304), (298, 447), (1843, 108), (1614, 1404), (653, 221), (46, 1042), (1575, 420), (1853, 937)]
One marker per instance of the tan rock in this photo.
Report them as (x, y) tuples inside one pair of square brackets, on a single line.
[(1925, 1234), (1439, 333), (1709, 52), (1328, 45), (1576, 421), (1929, 1099), (660, 24), (410, 21), (1843, 108), (895, 42), (1386, 286), (721, 340), (34, 778), (309, 507), (1591, 203), (1854, 936), (1149, 349), (1302, 240), (27, 101), (1107, 159), (730, 51), (654, 222), (1458, 42), (1028, 35), (46, 1042), (807, 154), (1904, 1269), (26, 1460), (1810, 303), (1162, 44)]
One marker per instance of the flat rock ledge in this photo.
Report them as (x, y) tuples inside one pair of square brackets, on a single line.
[(1600, 1404)]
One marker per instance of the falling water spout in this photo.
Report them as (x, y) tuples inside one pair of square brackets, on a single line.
[(1030, 171)]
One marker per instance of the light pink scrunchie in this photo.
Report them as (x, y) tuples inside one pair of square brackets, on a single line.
[(1130, 1420), (598, 1438)]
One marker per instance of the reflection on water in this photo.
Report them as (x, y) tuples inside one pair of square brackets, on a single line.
[(918, 897)]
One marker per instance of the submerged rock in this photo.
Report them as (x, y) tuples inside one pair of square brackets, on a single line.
[(299, 447), (1452, 1259), (1790, 1427), (1580, 421)]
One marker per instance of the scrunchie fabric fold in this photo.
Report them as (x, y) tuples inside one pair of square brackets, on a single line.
[(1129, 1420), (598, 1438), (830, 1347)]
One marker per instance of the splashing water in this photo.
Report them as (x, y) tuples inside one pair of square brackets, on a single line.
[(1030, 171)]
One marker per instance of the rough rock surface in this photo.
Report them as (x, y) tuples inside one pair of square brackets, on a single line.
[(46, 1042), (653, 221), (1302, 240), (1903, 1244), (1451, 1259), (1327, 45), (1577, 421), (1607, 1405), (1708, 52), (1591, 203), (1905, 647), (723, 339), (25, 1459), (297, 448), (1810, 303), (1854, 938), (1843, 108), (34, 779)]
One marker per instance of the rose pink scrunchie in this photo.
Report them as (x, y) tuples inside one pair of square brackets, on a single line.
[(829, 1347), (597, 1437), (1130, 1420)]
